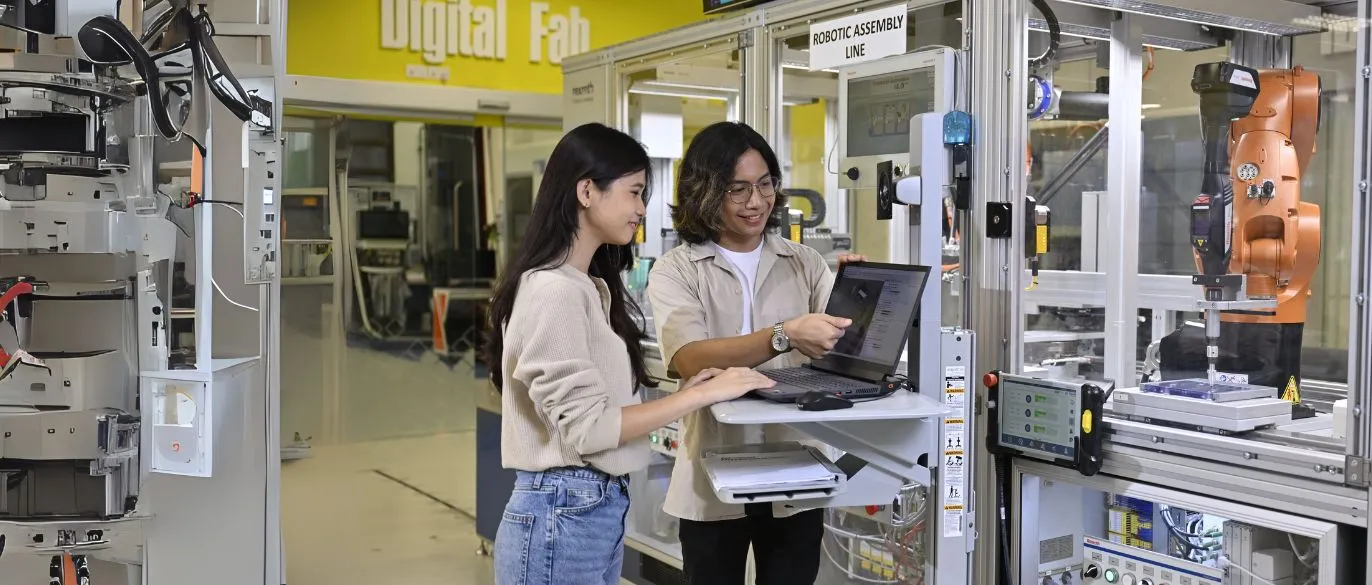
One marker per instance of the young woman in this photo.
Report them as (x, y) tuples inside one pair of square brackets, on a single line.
[(565, 352), (736, 297)]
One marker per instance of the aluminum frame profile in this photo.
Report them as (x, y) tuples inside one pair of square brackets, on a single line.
[(782, 15), (1094, 23), (680, 38), (1124, 183), (1276, 17), (1264, 456), (997, 36), (1307, 498), (1069, 288), (1360, 331), (588, 60)]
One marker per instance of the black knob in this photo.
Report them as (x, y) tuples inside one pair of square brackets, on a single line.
[(1091, 572), (853, 174)]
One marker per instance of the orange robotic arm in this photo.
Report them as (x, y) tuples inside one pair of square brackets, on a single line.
[(1276, 235)]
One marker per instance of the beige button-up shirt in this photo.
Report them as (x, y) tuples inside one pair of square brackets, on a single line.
[(695, 295)]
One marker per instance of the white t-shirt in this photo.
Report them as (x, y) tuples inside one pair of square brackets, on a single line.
[(746, 264)]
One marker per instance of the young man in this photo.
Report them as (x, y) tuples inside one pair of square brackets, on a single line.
[(733, 296)]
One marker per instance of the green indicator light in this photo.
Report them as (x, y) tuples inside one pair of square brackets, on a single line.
[(1111, 576), (654, 439)]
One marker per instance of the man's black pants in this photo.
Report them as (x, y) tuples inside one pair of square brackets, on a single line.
[(786, 550)]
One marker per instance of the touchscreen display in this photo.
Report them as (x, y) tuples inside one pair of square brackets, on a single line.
[(1039, 418)]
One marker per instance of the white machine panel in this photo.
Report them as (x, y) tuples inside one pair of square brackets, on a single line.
[(69, 435), (182, 409), (879, 98), (90, 381), (181, 417), (64, 228), (1109, 563)]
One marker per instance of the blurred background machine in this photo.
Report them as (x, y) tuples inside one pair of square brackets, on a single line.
[(134, 311)]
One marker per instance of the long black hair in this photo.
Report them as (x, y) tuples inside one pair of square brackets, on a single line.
[(603, 155), (707, 171)]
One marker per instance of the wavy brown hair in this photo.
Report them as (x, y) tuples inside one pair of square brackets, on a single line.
[(707, 170)]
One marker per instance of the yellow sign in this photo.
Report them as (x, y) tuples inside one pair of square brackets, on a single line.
[(1292, 393), (507, 45)]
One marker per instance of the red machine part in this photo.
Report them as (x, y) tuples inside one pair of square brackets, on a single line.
[(1276, 235)]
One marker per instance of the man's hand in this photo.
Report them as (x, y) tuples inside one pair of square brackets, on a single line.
[(847, 258), (815, 334)]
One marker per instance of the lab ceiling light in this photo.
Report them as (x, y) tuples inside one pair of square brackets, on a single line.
[(668, 89), (801, 67)]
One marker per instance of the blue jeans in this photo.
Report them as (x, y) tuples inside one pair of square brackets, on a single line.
[(562, 527)]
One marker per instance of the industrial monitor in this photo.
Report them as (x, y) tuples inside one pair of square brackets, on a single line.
[(1050, 420), (876, 102)]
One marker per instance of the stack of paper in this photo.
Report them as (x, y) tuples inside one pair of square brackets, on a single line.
[(776, 470)]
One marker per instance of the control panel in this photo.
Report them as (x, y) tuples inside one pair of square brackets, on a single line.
[(666, 440), (1110, 563)]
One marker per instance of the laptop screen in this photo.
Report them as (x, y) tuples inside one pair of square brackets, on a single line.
[(882, 300)]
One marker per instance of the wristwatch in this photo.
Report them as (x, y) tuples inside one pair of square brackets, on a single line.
[(781, 343)]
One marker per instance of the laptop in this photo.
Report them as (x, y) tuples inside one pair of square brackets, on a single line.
[(883, 301)]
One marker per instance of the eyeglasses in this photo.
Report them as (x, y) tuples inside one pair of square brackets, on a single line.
[(741, 191)]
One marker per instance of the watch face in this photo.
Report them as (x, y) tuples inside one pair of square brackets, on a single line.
[(779, 343)]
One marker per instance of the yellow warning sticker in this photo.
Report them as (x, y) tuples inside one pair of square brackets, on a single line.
[(1292, 393)]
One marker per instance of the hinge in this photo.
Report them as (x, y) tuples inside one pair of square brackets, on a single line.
[(1355, 471), (745, 39)]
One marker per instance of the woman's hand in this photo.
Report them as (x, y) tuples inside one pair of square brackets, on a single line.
[(721, 386), (701, 376)]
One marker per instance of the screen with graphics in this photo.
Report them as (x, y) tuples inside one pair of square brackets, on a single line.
[(1040, 419), (880, 108), (882, 301)]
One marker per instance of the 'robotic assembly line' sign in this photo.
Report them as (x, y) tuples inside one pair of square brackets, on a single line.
[(858, 38)]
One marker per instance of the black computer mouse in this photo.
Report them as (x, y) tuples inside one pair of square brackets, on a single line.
[(817, 400)]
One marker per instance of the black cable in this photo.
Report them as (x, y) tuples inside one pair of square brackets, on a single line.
[(1054, 35), (216, 202), (1003, 520), (208, 59), (107, 41)]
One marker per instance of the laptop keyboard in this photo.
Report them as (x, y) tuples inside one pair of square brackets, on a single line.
[(811, 380)]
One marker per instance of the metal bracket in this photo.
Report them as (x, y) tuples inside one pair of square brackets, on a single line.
[(1356, 471), (745, 39)]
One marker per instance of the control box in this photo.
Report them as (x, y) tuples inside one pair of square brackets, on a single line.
[(1110, 563), (666, 440)]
